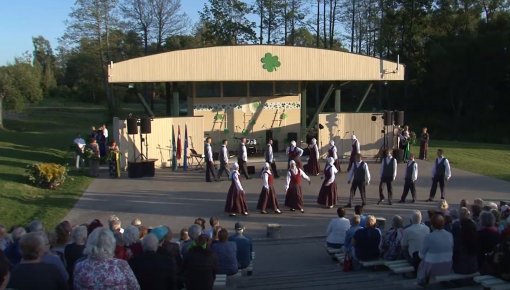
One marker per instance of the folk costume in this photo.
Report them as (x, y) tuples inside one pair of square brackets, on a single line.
[(312, 167), (270, 159), (328, 192), (242, 158), (223, 157), (359, 177), (441, 173), (332, 152), (209, 163), (388, 174), (294, 193), (424, 145), (268, 198), (355, 149), (411, 175), (294, 153), (236, 199)]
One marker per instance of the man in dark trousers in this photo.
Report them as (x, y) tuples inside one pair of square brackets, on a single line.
[(411, 174), (355, 149), (360, 178), (242, 158), (440, 174), (223, 157), (209, 163), (270, 158), (388, 174)]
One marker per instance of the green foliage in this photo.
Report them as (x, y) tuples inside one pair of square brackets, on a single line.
[(20, 84), (47, 175), (270, 62)]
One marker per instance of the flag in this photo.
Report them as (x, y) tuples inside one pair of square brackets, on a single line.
[(174, 151), (185, 163), (179, 143)]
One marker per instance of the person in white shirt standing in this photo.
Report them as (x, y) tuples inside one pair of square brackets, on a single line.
[(209, 163), (80, 148), (337, 229), (223, 157), (441, 173), (412, 239), (388, 174), (411, 175), (270, 158), (359, 175), (242, 158)]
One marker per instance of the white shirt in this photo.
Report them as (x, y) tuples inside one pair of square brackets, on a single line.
[(265, 179), (413, 237), (336, 230), (447, 171), (333, 171), (437, 247), (224, 153), (301, 172), (387, 161), (367, 173), (105, 132), (235, 177), (292, 148), (244, 153), (269, 153), (80, 142), (208, 152), (414, 176)]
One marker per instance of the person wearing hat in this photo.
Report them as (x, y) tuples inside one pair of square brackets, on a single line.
[(267, 198), (312, 167), (244, 246), (327, 193), (355, 149), (236, 200), (294, 194), (332, 152), (294, 153)]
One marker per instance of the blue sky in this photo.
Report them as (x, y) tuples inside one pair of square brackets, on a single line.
[(22, 19)]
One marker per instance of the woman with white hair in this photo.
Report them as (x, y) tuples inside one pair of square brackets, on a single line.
[(294, 194), (312, 167), (332, 152), (267, 198), (100, 270), (327, 194), (294, 153), (236, 200)]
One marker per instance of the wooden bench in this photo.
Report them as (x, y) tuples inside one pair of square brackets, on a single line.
[(454, 276), (340, 257), (333, 251), (220, 282), (373, 263), (248, 271), (491, 282), (399, 266)]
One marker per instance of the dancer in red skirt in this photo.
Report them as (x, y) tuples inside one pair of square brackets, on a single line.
[(332, 152), (312, 167), (236, 200), (327, 194), (267, 198), (294, 195), (294, 153)]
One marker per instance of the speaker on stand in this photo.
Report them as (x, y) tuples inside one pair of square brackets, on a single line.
[(132, 127), (399, 118)]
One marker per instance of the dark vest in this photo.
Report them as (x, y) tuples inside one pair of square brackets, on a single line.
[(440, 168), (206, 152), (388, 169), (410, 170), (267, 152), (359, 172)]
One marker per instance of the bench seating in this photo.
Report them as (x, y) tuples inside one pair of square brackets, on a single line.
[(333, 251), (491, 282), (454, 276), (379, 262), (399, 266), (220, 282), (340, 257)]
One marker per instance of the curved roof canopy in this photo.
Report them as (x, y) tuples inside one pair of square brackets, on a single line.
[(254, 63)]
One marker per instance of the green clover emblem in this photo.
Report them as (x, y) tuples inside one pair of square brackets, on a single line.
[(270, 62)]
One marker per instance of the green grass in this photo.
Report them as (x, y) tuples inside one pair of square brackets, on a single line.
[(483, 158)]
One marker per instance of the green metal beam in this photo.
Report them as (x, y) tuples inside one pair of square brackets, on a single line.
[(321, 106)]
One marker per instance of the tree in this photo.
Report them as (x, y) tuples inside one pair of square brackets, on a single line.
[(45, 61), (141, 14), (169, 20)]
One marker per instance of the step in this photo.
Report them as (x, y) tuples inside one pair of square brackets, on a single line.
[(454, 276)]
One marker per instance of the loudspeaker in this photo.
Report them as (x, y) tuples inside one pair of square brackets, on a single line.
[(145, 125), (399, 118), (292, 136), (132, 126), (388, 118)]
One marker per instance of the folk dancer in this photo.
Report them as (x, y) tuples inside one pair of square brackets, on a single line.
[(441, 172), (113, 159), (388, 174), (223, 157), (359, 176), (294, 153), (332, 152), (268, 198), (313, 161), (294, 193), (270, 158), (411, 175), (236, 200), (424, 143), (209, 163), (355, 149), (242, 158), (327, 193), (406, 138)]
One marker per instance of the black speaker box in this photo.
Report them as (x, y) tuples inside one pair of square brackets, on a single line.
[(145, 125), (399, 118), (388, 118), (132, 126)]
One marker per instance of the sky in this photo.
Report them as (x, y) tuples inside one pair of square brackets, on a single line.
[(20, 20)]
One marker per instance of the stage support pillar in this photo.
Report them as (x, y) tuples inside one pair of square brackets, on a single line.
[(338, 101)]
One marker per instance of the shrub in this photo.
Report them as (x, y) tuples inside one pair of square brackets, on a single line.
[(47, 175)]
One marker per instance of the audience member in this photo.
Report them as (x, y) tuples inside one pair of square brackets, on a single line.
[(100, 267), (115, 224), (392, 240), (4, 271), (183, 235), (337, 227), (214, 221), (62, 234), (132, 241), (226, 254), (74, 251), (194, 231), (367, 241), (120, 251), (244, 246), (201, 222), (50, 257), (12, 252), (358, 210), (136, 222), (412, 239), (465, 247), (35, 226), (199, 265), (489, 238), (93, 225), (355, 225), (5, 239)]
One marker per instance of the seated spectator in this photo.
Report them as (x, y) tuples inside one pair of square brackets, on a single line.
[(436, 252), (173, 250), (355, 225), (5, 239), (93, 225), (35, 226), (244, 246), (201, 222), (183, 235), (63, 235), (136, 222), (358, 210), (489, 238), (49, 257), (226, 252), (4, 271), (194, 231), (465, 247), (154, 270), (31, 272), (501, 259), (366, 241), (337, 227), (476, 209), (412, 239), (12, 252), (100, 267), (115, 224), (199, 265), (120, 249), (464, 203), (216, 231), (430, 213), (132, 241), (214, 221), (74, 251), (392, 241)]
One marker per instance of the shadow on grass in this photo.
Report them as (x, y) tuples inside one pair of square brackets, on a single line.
[(31, 155), (19, 178), (12, 164)]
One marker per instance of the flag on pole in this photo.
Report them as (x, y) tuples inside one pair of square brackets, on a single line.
[(179, 143), (185, 163), (174, 151)]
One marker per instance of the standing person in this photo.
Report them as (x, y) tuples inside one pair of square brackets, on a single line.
[(294, 153), (313, 160), (223, 157), (270, 158), (209, 162), (332, 152), (441, 172), (294, 194), (94, 158), (80, 144), (267, 198), (355, 149), (327, 193), (388, 174), (242, 158), (113, 159), (236, 200), (406, 142), (105, 133), (360, 178), (411, 175), (424, 143), (101, 140)]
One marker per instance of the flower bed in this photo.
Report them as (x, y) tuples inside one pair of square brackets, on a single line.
[(47, 175)]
